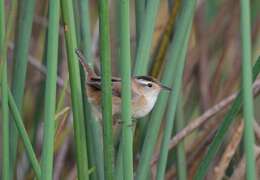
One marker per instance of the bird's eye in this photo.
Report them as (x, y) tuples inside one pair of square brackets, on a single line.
[(150, 85)]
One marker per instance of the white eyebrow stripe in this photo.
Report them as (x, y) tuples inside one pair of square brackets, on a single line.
[(141, 81)]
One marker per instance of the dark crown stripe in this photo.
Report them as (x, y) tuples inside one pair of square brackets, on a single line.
[(147, 78), (98, 79)]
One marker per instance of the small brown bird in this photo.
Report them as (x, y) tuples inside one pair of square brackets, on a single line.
[(145, 90)]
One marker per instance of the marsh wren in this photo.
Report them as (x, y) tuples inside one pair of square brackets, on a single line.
[(145, 90)]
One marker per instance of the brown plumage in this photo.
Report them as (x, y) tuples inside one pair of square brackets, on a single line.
[(145, 90)]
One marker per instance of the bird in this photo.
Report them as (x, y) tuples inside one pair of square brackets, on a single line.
[(144, 90)]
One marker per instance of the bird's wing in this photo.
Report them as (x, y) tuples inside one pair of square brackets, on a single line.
[(98, 79), (116, 90), (116, 85), (94, 84)]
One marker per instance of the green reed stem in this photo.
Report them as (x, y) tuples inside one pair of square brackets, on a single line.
[(139, 16), (62, 95), (76, 93), (25, 138), (85, 44), (5, 128), (249, 139), (173, 101), (50, 90), (4, 92), (157, 114), (106, 88), (180, 149), (145, 37), (95, 152), (10, 20), (127, 133), (21, 51), (119, 163)]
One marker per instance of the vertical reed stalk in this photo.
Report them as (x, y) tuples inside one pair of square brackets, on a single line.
[(76, 93), (50, 90), (157, 114), (173, 99), (106, 87), (145, 39), (24, 136), (85, 31), (10, 20), (180, 149), (249, 142), (5, 119), (127, 134), (139, 16), (119, 163), (22, 42), (4, 92), (95, 152), (146, 12)]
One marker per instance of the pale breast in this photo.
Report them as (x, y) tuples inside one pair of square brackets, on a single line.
[(143, 106)]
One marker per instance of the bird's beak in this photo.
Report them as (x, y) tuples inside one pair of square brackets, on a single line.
[(165, 87)]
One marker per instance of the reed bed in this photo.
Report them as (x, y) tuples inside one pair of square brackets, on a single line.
[(206, 51)]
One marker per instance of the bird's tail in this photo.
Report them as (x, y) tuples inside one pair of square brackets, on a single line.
[(87, 69)]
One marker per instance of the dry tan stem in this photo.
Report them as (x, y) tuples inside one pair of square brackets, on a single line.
[(204, 118), (219, 170), (239, 173)]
